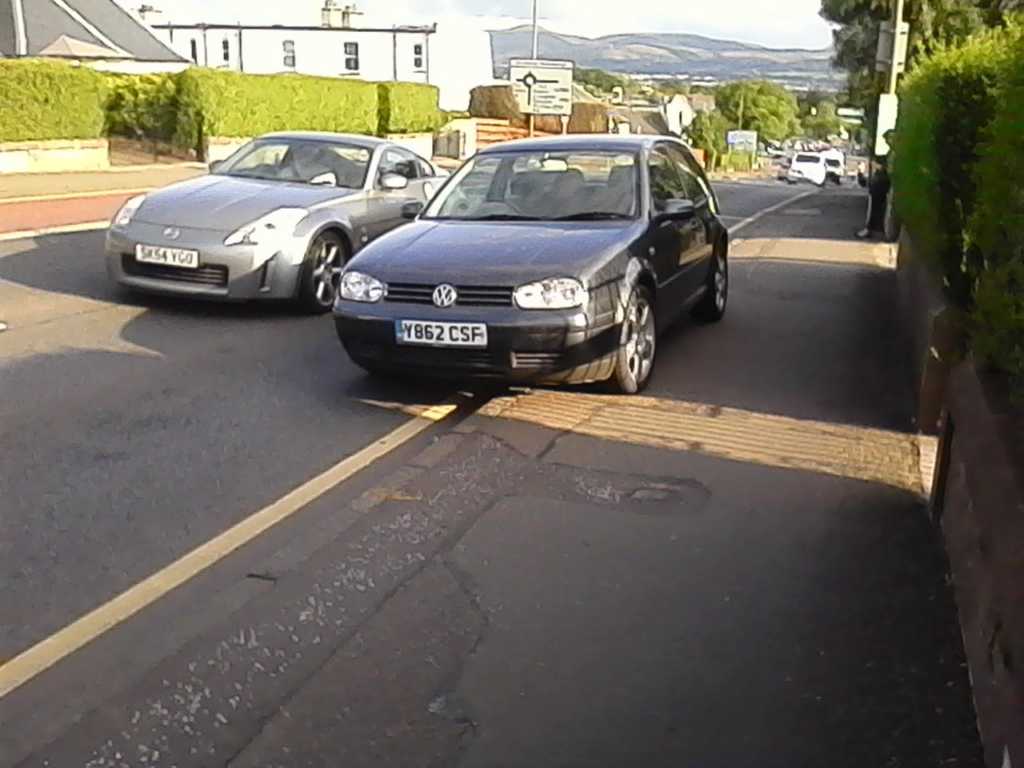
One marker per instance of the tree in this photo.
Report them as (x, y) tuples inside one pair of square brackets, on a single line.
[(599, 81), (707, 132), (823, 122), (758, 105)]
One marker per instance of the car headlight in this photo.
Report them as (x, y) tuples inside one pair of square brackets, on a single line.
[(124, 216), (276, 224), (556, 293), (355, 286)]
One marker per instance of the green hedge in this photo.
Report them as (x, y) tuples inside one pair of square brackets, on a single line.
[(408, 108), (218, 103), (959, 161), (947, 103), (42, 100), (995, 234), (142, 106)]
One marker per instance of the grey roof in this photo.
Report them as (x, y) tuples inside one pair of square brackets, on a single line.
[(106, 24), (7, 40)]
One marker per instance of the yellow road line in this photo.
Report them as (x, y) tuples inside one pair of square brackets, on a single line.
[(40, 657), (74, 195)]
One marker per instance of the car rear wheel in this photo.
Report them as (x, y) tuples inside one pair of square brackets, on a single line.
[(712, 306), (321, 275), (638, 344)]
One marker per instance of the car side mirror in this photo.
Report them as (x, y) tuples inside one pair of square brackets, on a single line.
[(676, 210), (412, 210), (393, 182), (215, 165)]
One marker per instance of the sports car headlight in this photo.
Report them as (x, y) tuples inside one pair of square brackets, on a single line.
[(273, 226), (355, 286), (556, 293), (124, 216)]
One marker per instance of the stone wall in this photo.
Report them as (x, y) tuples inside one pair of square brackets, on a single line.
[(979, 498), (54, 156)]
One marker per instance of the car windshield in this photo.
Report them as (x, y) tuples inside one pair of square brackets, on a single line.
[(300, 161), (808, 159), (574, 185), (831, 162)]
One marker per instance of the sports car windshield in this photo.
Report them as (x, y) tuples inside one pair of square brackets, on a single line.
[(542, 186), (300, 161)]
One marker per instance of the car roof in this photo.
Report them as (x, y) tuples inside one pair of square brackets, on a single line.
[(368, 142), (608, 142)]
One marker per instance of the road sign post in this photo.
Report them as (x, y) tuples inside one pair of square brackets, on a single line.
[(542, 87)]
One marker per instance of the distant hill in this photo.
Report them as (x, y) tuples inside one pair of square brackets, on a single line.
[(678, 55)]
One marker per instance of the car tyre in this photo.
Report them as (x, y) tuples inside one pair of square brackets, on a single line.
[(638, 344), (712, 306), (321, 272)]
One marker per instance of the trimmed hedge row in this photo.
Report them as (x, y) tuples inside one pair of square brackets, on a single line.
[(142, 106), (408, 108), (959, 161), (217, 103), (52, 100), (41, 100)]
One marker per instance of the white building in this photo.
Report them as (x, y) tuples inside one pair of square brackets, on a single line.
[(452, 58)]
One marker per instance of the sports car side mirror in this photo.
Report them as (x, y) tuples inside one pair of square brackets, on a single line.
[(676, 210), (393, 182), (412, 210)]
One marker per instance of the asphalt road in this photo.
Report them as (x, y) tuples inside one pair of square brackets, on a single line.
[(804, 620)]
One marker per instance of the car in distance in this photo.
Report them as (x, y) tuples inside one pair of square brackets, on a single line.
[(807, 166), (551, 260), (277, 220)]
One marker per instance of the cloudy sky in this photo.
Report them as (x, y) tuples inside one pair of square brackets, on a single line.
[(788, 23)]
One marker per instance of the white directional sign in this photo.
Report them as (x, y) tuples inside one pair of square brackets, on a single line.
[(742, 141), (542, 87)]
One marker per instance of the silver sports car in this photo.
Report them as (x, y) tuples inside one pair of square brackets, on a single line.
[(277, 220)]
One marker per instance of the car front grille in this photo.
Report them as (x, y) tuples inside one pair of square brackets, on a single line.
[(469, 295), (478, 360), (215, 275)]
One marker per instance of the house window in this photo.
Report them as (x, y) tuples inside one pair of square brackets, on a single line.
[(417, 54), (289, 53), (195, 52), (226, 47), (352, 57)]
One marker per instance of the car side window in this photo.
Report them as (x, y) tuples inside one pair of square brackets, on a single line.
[(400, 161), (426, 169), (666, 183), (695, 191)]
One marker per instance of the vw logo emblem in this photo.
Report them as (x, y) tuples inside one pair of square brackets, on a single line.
[(172, 233), (445, 295)]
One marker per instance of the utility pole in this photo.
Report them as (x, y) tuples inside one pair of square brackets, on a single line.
[(895, 63), (536, 30)]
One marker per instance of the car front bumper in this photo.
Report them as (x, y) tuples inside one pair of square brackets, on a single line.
[(225, 272), (523, 346)]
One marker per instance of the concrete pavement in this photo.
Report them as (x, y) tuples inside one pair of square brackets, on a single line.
[(733, 570)]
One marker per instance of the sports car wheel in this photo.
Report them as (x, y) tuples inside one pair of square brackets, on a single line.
[(321, 275)]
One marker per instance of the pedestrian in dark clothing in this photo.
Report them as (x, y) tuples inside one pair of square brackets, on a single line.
[(878, 200)]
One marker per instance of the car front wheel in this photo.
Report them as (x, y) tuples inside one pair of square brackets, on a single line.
[(321, 275), (634, 360)]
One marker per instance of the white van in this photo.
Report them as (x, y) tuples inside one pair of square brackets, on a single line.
[(808, 166)]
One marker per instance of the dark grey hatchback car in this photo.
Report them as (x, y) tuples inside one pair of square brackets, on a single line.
[(543, 260)]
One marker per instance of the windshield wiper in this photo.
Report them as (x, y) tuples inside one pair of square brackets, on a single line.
[(503, 217), (593, 216)]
